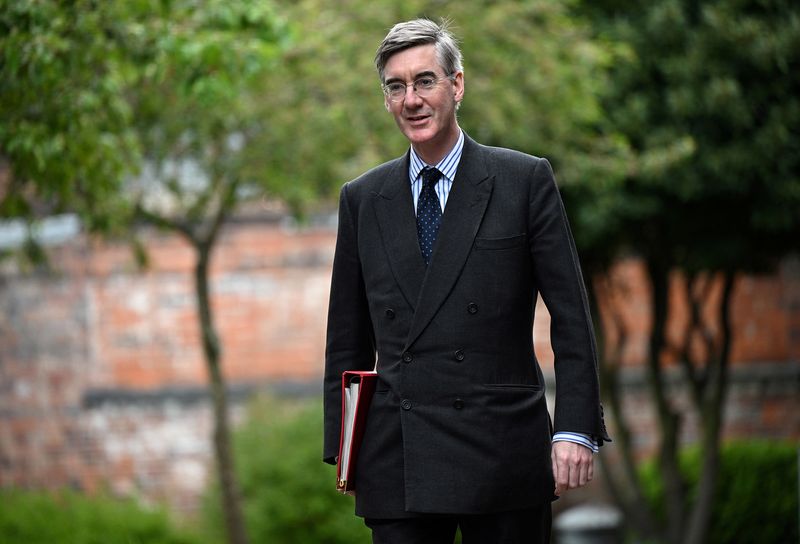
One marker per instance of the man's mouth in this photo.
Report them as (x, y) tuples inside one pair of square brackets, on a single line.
[(414, 118)]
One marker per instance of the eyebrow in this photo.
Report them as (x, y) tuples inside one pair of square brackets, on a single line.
[(426, 73)]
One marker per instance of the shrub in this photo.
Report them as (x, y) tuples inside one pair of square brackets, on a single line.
[(289, 494), (756, 499), (66, 517)]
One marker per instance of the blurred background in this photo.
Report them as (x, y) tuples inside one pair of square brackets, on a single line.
[(169, 171)]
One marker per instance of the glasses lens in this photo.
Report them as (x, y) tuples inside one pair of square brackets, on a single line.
[(423, 87), (395, 91), (424, 84)]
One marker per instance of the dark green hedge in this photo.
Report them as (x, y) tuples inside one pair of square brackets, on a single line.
[(289, 493), (38, 517), (757, 492)]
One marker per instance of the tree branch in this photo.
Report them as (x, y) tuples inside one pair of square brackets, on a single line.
[(711, 418), (685, 355), (167, 223), (712, 344), (226, 204)]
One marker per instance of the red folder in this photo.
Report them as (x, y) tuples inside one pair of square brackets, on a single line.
[(357, 389)]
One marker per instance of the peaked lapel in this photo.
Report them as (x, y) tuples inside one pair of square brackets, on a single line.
[(394, 210), (462, 217)]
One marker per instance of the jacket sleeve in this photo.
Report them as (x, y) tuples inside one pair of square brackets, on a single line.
[(558, 277), (350, 339)]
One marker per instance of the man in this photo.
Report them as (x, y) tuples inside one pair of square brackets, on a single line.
[(439, 258)]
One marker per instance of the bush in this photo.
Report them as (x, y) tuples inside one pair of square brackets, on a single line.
[(38, 517), (756, 500), (289, 494)]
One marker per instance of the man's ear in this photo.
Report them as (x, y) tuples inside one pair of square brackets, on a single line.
[(458, 87)]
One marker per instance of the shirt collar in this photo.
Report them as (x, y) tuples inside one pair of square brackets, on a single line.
[(447, 166)]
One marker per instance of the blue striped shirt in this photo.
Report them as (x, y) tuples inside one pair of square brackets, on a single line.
[(448, 166)]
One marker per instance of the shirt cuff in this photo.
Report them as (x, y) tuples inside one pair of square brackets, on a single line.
[(578, 438)]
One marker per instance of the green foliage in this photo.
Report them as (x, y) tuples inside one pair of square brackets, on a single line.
[(28, 517), (64, 124), (670, 127), (533, 80), (198, 109), (328, 123), (92, 90), (289, 493), (708, 96), (293, 84), (756, 499)]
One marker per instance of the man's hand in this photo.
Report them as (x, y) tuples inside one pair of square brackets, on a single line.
[(573, 465)]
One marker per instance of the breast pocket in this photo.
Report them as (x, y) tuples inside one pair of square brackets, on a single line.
[(506, 242)]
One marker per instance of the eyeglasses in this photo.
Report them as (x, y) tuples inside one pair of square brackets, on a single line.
[(396, 90)]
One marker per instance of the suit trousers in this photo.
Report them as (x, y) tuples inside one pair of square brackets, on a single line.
[(529, 526)]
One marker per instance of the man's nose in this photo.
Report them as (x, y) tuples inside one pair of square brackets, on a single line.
[(412, 98)]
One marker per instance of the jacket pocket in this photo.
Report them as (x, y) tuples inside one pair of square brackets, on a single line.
[(507, 242), (513, 386)]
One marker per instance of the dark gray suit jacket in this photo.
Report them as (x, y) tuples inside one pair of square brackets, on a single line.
[(459, 422)]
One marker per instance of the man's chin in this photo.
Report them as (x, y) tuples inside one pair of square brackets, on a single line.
[(419, 136)]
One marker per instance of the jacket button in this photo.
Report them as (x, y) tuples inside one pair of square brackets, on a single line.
[(472, 308), (407, 357), (459, 355), (458, 404), (406, 404), (389, 313)]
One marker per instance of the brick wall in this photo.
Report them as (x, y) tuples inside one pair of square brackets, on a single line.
[(102, 377), (101, 371)]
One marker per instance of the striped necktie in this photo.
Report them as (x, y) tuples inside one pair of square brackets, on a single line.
[(429, 213)]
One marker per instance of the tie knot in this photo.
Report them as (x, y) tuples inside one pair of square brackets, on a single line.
[(430, 176)]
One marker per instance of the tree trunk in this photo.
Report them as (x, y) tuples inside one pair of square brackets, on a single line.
[(711, 417), (231, 498), (623, 483), (669, 421)]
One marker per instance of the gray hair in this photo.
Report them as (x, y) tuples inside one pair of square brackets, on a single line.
[(420, 32)]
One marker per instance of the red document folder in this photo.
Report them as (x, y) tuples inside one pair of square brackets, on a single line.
[(357, 389)]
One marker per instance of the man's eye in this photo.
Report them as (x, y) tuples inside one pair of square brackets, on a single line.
[(395, 87), (426, 82)]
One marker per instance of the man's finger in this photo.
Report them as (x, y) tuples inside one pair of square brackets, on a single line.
[(583, 476), (553, 460), (574, 472), (561, 472), (564, 473)]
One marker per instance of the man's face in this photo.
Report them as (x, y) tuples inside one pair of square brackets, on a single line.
[(427, 121)]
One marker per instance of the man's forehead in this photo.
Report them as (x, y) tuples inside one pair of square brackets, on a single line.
[(418, 75), (413, 61)]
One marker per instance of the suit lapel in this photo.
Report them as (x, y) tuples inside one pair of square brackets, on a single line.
[(394, 210), (463, 214)]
